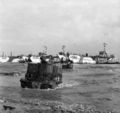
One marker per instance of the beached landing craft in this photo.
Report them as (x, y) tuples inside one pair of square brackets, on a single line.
[(113, 61), (75, 58), (4, 59), (67, 65), (35, 59), (42, 76), (105, 58), (88, 60), (65, 61)]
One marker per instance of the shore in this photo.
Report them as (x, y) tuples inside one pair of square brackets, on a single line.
[(8, 105)]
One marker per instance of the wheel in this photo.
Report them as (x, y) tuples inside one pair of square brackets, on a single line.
[(23, 85), (35, 85), (52, 86)]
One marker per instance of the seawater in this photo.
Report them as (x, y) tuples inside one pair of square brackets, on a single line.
[(92, 84)]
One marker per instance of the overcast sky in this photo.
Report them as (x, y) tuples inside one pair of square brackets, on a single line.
[(82, 25)]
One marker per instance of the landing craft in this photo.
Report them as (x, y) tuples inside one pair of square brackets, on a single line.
[(75, 58), (65, 61), (104, 58), (88, 60), (35, 59), (4, 59)]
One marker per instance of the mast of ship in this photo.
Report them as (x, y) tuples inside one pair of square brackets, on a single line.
[(104, 45), (63, 48), (3, 54), (11, 53), (45, 49)]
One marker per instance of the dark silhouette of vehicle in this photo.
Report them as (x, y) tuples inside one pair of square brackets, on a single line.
[(67, 64), (42, 75)]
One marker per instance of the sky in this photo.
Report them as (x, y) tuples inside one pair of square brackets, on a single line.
[(27, 26)]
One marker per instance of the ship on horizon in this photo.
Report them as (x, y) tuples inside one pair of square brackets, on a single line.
[(105, 58)]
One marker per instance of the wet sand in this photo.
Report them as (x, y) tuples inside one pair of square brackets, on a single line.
[(85, 87)]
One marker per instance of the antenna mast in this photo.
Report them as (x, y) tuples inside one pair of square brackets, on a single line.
[(104, 44), (45, 49), (63, 48)]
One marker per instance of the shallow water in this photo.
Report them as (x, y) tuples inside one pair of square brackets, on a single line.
[(97, 85)]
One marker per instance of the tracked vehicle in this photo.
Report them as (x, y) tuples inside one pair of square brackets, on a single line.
[(42, 76)]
